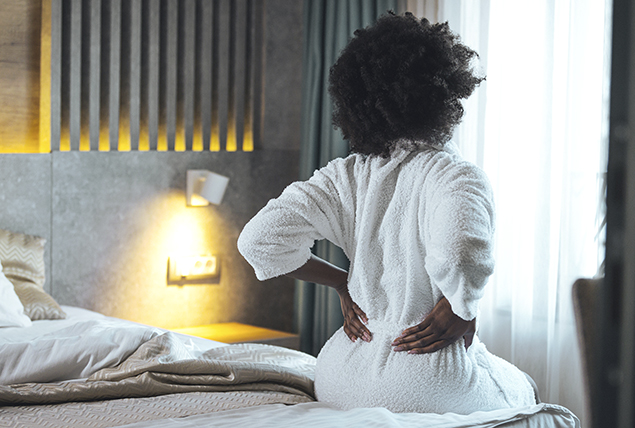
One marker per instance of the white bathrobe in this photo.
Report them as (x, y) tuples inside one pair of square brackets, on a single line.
[(415, 227)]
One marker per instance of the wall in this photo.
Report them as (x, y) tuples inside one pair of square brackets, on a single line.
[(113, 218)]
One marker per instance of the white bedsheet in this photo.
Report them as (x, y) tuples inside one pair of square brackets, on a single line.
[(76, 347), (309, 415)]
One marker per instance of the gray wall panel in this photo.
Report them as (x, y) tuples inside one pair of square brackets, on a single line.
[(114, 233), (25, 199)]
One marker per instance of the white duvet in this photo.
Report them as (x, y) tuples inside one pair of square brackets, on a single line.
[(318, 415), (73, 348)]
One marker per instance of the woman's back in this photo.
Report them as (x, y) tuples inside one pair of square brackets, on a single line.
[(416, 227), (399, 220)]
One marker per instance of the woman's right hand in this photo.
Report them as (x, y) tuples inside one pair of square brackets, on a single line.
[(354, 317)]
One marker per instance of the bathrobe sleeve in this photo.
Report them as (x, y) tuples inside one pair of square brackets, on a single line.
[(459, 225), (279, 238)]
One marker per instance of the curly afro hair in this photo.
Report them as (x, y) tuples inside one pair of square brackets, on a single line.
[(401, 79)]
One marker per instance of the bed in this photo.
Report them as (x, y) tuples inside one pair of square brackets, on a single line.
[(66, 366)]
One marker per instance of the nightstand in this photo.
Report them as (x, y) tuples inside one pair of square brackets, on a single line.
[(233, 332)]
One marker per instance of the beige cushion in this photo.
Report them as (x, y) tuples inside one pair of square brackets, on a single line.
[(38, 305), (22, 258)]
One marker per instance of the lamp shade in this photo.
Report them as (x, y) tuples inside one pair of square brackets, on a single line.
[(214, 187), (204, 187)]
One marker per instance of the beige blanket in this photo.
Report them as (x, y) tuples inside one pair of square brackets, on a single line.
[(164, 366)]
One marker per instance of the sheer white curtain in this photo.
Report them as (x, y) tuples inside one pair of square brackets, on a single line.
[(538, 127)]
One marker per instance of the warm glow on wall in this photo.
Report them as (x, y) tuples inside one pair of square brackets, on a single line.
[(248, 140), (168, 229)]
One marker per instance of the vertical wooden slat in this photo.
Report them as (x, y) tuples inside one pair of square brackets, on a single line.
[(188, 66), (135, 72), (230, 144), (171, 71), (197, 131), (95, 73), (56, 74), (239, 57), (217, 54), (124, 82), (162, 143), (259, 74), (205, 72), (154, 22), (85, 59), (144, 71), (65, 75), (45, 79), (115, 69), (75, 73), (104, 79), (247, 140)]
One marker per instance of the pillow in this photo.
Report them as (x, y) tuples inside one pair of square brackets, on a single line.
[(22, 257), (11, 309), (38, 305)]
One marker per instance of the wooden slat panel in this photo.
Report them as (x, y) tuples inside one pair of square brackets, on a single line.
[(114, 72), (240, 75), (247, 139), (171, 53), (217, 91), (20, 34), (65, 82), (204, 126), (56, 73), (135, 72), (230, 144), (163, 74), (188, 69), (104, 78), (258, 73), (75, 73), (84, 104), (95, 73), (144, 57), (154, 22), (45, 79), (124, 82)]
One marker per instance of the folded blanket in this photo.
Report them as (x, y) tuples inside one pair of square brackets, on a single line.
[(163, 365)]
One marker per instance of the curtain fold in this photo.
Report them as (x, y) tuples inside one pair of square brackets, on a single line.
[(539, 128), (328, 26)]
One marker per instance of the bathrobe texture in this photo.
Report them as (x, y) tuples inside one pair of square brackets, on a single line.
[(416, 227)]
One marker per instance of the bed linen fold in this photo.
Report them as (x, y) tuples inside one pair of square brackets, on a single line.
[(316, 414), (162, 365)]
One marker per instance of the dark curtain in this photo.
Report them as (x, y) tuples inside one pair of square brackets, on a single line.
[(328, 26)]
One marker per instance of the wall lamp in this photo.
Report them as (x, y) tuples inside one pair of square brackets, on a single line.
[(204, 187)]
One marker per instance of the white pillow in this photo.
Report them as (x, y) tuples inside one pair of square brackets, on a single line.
[(11, 309)]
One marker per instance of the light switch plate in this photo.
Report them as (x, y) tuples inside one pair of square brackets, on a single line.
[(193, 270)]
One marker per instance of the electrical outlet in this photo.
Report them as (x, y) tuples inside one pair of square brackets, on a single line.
[(193, 270)]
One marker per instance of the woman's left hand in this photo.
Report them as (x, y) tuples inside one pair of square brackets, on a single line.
[(439, 329)]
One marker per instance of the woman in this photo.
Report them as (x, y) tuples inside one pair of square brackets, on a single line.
[(415, 221)]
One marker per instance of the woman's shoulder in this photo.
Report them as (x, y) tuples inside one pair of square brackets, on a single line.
[(342, 166)]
